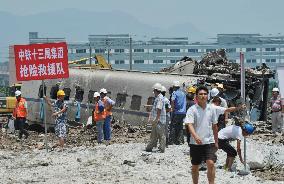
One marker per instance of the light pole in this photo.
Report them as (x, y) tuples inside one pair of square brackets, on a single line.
[(90, 52), (130, 52)]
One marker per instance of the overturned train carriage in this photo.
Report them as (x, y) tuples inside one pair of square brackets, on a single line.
[(131, 90)]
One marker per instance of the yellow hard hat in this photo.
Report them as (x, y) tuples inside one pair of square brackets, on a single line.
[(191, 90), (60, 93)]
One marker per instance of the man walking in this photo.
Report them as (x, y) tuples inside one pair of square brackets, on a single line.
[(99, 116), (20, 114), (277, 111), (108, 104), (178, 103), (158, 120), (202, 124), (168, 111)]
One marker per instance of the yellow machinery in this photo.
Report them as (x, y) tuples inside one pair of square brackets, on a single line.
[(99, 63), (7, 103)]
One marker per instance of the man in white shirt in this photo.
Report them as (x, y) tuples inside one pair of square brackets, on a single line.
[(222, 112), (202, 124), (229, 133)]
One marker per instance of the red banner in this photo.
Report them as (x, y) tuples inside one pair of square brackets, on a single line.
[(41, 61)]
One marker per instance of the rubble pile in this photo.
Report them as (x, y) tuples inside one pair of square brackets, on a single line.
[(122, 133)]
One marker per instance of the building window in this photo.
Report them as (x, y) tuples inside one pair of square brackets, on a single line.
[(138, 50), (157, 61), (119, 62), (193, 50), (173, 61), (270, 60), (157, 50), (119, 50), (210, 50), (135, 102), (80, 50), (250, 49), (229, 50), (174, 50), (138, 61), (150, 101), (270, 49), (251, 60), (99, 50)]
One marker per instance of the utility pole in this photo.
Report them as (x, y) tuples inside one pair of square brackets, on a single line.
[(130, 53), (90, 56)]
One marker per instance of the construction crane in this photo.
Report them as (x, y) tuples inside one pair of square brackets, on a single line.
[(100, 63)]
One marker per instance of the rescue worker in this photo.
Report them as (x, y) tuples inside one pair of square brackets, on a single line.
[(277, 111), (60, 114), (190, 101), (108, 104), (230, 133), (178, 103), (99, 116), (20, 114), (216, 92), (158, 119), (223, 112), (168, 111)]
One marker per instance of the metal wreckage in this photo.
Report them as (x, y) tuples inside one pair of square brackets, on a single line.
[(216, 68)]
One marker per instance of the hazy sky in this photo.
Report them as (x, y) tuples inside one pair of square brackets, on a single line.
[(211, 16)]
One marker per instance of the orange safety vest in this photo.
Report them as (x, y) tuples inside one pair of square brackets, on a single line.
[(20, 111), (108, 107), (97, 114)]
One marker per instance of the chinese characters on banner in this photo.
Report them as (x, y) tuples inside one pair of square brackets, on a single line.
[(41, 61)]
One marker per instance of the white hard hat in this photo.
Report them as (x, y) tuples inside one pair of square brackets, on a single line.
[(157, 86), (96, 94), (103, 90), (176, 84), (18, 93), (275, 89), (164, 89), (214, 92)]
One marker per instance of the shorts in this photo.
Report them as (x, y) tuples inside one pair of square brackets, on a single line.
[(225, 146), (199, 153)]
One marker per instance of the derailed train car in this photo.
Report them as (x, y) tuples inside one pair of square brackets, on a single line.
[(131, 90)]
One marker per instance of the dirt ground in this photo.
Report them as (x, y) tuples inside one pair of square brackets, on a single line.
[(122, 134)]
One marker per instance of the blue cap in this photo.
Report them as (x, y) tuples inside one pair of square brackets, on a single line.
[(248, 128)]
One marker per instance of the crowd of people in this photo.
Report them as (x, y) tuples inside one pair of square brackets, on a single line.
[(204, 114)]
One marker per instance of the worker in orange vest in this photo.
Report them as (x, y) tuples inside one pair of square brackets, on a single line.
[(108, 104), (99, 116), (20, 114)]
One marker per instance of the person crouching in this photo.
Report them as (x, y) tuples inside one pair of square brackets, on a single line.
[(99, 116)]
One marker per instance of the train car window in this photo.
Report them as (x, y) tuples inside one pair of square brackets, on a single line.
[(40, 90), (53, 91), (120, 99), (109, 94), (67, 92), (91, 96), (150, 101), (79, 94), (135, 102)]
